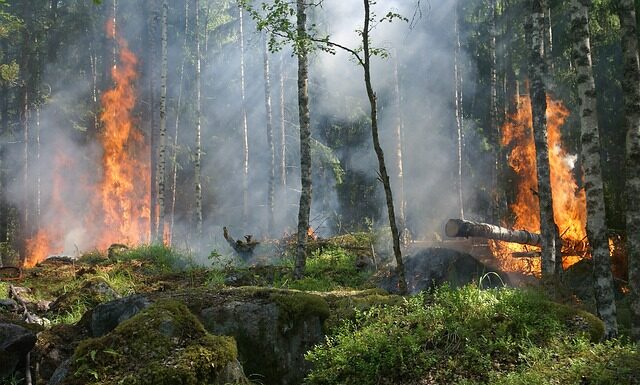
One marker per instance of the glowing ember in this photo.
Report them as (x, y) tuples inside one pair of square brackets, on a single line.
[(119, 203), (569, 202)]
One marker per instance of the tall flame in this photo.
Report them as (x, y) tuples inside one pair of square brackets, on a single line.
[(569, 201), (124, 190), (119, 203)]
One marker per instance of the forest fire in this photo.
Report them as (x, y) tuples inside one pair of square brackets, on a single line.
[(118, 202), (569, 201)]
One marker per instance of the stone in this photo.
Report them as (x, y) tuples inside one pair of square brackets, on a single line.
[(8, 304), (273, 329), (432, 267), (15, 343), (107, 316)]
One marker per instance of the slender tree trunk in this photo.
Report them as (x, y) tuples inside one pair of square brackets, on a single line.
[(198, 149), (38, 176), (270, 141), (459, 114), (24, 119), (163, 125), (631, 88), (245, 130), (152, 65), (174, 154), (537, 72), (548, 35), (399, 133), (402, 283), (494, 125), (304, 208), (590, 139), (283, 137)]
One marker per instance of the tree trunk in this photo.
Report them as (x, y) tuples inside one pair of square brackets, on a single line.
[(402, 283), (459, 113), (153, 129), (399, 134), (245, 130), (537, 72), (590, 139), (270, 142), (163, 126), (174, 154), (304, 208), (494, 125), (283, 137), (462, 228), (198, 118), (631, 89)]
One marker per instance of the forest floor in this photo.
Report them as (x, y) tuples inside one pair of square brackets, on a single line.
[(445, 335)]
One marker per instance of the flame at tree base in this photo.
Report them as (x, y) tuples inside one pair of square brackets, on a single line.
[(118, 203), (569, 201)]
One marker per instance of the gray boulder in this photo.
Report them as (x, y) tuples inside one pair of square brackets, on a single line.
[(107, 316), (15, 343), (273, 330)]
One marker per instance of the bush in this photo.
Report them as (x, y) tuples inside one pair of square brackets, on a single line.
[(450, 336)]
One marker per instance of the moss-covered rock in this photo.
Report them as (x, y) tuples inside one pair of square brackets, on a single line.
[(274, 328), (163, 344)]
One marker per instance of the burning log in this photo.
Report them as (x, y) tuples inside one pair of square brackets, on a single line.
[(462, 228), (243, 248)]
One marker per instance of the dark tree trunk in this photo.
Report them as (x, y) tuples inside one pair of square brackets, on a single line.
[(305, 141), (270, 142), (382, 168), (631, 88), (537, 71)]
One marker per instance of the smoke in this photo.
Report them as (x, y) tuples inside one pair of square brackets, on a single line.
[(69, 157)]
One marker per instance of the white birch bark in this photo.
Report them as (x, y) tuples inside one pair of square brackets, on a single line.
[(594, 188)]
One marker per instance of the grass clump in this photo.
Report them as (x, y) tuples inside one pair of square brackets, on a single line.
[(163, 258), (331, 268), (461, 336)]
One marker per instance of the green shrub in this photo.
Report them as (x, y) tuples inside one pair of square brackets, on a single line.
[(449, 336)]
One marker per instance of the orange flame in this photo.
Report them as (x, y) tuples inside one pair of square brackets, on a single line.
[(569, 201), (119, 211), (124, 190)]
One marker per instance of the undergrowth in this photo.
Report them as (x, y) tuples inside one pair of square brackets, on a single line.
[(470, 336)]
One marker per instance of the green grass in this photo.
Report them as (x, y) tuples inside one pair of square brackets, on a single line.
[(465, 336), (163, 258)]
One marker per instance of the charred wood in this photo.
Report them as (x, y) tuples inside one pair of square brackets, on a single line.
[(245, 248), (462, 228)]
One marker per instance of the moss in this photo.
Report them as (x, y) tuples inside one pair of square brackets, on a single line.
[(579, 321), (163, 344), (295, 306)]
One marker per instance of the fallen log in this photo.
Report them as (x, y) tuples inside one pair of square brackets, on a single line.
[(462, 228)]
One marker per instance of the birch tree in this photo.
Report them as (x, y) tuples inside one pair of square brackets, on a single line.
[(198, 119), (537, 72), (270, 141), (304, 210), (245, 128), (163, 124), (631, 89), (594, 188)]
